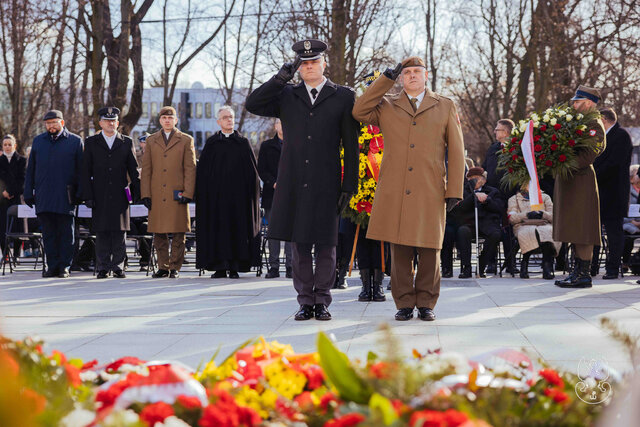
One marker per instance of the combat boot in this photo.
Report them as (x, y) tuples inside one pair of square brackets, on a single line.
[(366, 293), (378, 292)]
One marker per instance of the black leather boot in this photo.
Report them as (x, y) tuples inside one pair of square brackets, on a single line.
[(547, 270), (365, 277), (579, 277), (547, 261), (465, 272), (378, 292), (524, 267), (342, 273)]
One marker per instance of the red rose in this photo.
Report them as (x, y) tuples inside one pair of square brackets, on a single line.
[(543, 128), (156, 413), (541, 156), (553, 147), (514, 139), (551, 376), (557, 126), (536, 138), (548, 163), (554, 138), (538, 147), (571, 143), (562, 158), (514, 157), (510, 170), (511, 149), (579, 132)]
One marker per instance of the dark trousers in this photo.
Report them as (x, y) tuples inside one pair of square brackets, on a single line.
[(491, 233), (274, 250), (161, 243), (110, 250), (369, 252), (615, 240), (446, 255), (313, 287), (57, 234)]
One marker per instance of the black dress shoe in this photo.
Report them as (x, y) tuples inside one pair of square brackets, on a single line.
[(305, 312), (465, 272), (174, 274), (447, 273), (404, 314), (64, 273), (160, 273), (321, 312), (425, 313), (219, 274), (50, 273), (102, 274), (289, 273), (119, 274), (233, 274), (492, 268), (610, 275), (272, 274)]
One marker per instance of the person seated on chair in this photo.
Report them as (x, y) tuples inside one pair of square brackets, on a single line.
[(12, 169), (534, 231), (631, 225), (490, 211)]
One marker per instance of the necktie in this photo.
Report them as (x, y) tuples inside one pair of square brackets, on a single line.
[(314, 93), (414, 103)]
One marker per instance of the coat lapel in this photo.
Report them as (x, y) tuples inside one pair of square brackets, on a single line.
[(174, 138), (402, 101), (117, 142), (301, 92), (430, 99), (328, 89)]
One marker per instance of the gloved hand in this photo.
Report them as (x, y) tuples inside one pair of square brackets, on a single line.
[(534, 215), (89, 204), (393, 74), (146, 201), (343, 201), (288, 70), (184, 200), (451, 203), (29, 201)]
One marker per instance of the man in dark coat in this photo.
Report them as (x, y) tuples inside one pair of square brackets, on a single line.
[(316, 120), (227, 193), (12, 170), (613, 185), (268, 161), (491, 206), (51, 183), (109, 181)]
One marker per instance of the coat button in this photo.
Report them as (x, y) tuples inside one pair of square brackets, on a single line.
[(414, 123), (309, 137), (307, 161), (164, 200), (164, 170), (164, 185), (412, 145), (410, 168), (109, 168), (311, 114), (408, 191), (305, 185)]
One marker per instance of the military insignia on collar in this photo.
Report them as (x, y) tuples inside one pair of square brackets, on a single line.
[(307, 45)]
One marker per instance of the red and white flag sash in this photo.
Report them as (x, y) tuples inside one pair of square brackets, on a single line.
[(535, 195)]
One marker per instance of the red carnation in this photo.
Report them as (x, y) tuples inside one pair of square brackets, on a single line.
[(156, 413), (562, 158), (557, 126), (548, 163), (348, 420), (571, 143), (189, 402), (536, 138), (543, 128), (579, 132), (510, 170), (556, 394), (514, 157), (551, 376), (514, 139), (538, 147), (554, 138), (511, 149), (553, 147)]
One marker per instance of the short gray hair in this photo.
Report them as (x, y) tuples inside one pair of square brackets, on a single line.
[(633, 170), (227, 108)]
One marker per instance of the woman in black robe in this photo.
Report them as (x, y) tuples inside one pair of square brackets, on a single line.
[(227, 210), (12, 170)]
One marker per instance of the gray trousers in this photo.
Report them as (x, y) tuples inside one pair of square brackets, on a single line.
[(110, 250), (313, 287)]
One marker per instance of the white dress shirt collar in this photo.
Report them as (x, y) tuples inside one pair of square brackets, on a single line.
[(419, 98), (318, 88), (109, 139)]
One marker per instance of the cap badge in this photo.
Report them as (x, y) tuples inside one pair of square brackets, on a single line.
[(307, 45)]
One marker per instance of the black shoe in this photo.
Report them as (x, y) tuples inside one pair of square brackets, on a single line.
[(341, 277), (524, 268), (378, 292), (160, 273), (547, 270), (272, 273), (447, 273), (233, 274), (119, 274), (425, 313), (404, 314), (465, 272), (305, 312), (219, 274), (365, 277), (610, 275), (50, 273), (289, 273), (64, 273), (321, 312), (102, 274), (492, 268), (174, 274), (595, 269)]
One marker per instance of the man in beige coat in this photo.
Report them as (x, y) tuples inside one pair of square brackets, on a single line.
[(167, 186), (421, 131)]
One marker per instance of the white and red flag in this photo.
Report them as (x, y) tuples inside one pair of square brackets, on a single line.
[(535, 195)]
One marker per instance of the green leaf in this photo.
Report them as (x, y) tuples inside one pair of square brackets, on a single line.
[(382, 406), (339, 371)]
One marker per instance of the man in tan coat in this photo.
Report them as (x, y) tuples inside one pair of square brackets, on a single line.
[(576, 203), (167, 186), (421, 130)]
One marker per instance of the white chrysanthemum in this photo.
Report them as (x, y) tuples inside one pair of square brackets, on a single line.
[(561, 113), (536, 124), (535, 117), (546, 118), (78, 418), (569, 117), (553, 121)]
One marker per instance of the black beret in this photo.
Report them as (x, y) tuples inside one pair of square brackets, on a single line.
[(52, 114), (309, 49)]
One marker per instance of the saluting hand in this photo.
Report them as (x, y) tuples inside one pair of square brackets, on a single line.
[(288, 70), (394, 73)]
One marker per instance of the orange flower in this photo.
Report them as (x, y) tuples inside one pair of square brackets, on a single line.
[(556, 394), (36, 402), (552, 377)]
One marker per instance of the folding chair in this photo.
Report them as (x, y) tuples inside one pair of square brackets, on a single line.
[(15, 213), (139, 211), (82, 233)]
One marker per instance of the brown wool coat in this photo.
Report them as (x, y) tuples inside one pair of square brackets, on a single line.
[(576, 203), (166, 168), (409, 206)]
